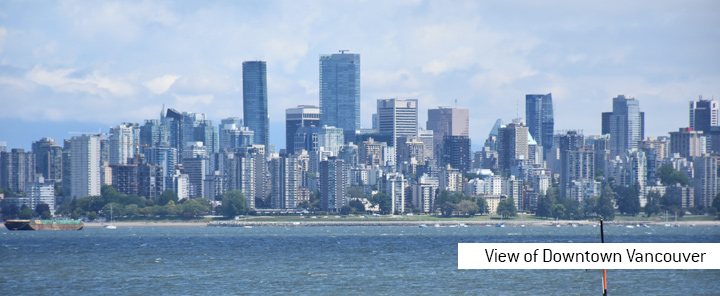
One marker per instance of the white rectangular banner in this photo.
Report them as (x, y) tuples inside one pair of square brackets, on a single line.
[(589, 256)]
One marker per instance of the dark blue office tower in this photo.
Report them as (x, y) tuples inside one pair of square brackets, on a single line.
[(255, 101)]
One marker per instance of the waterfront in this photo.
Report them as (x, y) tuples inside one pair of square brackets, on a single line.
[(320, 260)]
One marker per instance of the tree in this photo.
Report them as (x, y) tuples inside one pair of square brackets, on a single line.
[(384, 201), (92, 215), (653, 203), (196, 206), (42, 207), (25, 212), (716, 203), (45, 215), (346, 210), (91, 203), (166, 196), (482, 205), (605, 206), (467, 207), (669, 176), (357, 206), (590, 205), (545, 205), (571, 209), (628, 200), (234, 204), (9, 209), (356, 192), (672, 204), (506, 208), (558, 211), (446, 202)]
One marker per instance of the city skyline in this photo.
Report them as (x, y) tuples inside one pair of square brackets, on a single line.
[(95, 65)]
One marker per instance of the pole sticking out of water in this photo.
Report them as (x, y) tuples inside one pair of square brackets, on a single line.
[(602, 240)]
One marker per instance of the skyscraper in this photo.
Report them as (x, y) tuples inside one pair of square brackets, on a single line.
[(255, 101), (398, 118), (340, 92), (626, 125), (122, 143), (704, 114), (540, 119), (85, 165), (48, 158), (512, 144), (445, 121), (297, 117)]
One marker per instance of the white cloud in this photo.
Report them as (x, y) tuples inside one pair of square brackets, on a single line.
[(61, 80), (185, 101), (161, 84)]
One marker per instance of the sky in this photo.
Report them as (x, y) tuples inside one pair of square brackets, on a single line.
[(68, 67)]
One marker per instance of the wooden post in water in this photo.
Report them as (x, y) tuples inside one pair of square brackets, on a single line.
[(602, 240)]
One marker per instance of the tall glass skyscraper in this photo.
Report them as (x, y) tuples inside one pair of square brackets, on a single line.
[(540, 119), (255, 101), (626, 125), (340, 92)]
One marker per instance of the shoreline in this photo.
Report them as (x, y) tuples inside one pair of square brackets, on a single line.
[(396, 223)]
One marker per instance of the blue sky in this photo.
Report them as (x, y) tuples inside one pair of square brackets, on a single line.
[(87, 65)]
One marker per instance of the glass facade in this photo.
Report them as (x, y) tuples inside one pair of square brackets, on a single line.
[(540, 119), (340, 92), (255, 101)]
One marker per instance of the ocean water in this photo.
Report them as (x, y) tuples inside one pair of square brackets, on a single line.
[(320, 261)]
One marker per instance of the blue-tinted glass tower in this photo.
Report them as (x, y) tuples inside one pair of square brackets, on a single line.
[(255, 101), (540, 119), (340, 92)]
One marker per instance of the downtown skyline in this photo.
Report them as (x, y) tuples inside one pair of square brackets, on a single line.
[(95, 65)]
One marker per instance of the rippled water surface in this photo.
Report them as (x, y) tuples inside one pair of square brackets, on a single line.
[(320, 260)]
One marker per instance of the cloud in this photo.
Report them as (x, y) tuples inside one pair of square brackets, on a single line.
[(161, 84), (64, 80), (189, 100)]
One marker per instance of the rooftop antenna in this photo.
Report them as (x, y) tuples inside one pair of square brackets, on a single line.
[(342, 51), (455, 103), (517, 108)]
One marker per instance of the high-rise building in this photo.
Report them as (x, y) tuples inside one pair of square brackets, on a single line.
[(332, 184), (48, 158), (122, 143), (233, 136), (286, 180), (512, 144), (85, 165), (17, 169), (573, 164), (705, 180), (297, 117), (393, 184), (456, 152), (540, 119), (687, 142), (331, 139), (626, 125), (704, 114), (340, 92), (255, 101), (398, 118), (445, 121)]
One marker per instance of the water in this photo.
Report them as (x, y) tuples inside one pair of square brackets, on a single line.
[(319, 260)]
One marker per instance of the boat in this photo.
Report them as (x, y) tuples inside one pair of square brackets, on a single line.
[(422, 226), (500, 225), (23, 224), (112, 220)]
